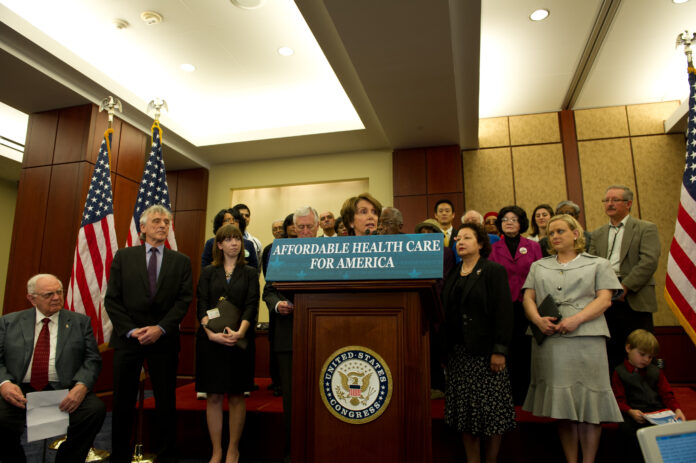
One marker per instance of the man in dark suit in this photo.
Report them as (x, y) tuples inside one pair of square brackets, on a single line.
[(306, 221), (632, 246), (60, 353), (148, 295)]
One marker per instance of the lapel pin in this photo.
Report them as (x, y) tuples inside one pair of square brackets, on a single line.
[(523, 251)]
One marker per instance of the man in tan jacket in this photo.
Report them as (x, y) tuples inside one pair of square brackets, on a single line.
[(632, 246)]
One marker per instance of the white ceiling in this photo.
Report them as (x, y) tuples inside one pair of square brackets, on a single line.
[(413, 72)]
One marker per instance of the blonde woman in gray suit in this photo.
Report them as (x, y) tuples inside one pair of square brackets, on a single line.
[(570, 374)]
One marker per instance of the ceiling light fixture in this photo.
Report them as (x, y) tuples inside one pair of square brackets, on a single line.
[(286, 51), (120, 24), (248, 4), (151, 17), (539, 15), (187, 67), (679, 1)]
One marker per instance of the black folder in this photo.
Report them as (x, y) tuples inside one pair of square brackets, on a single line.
[(547, 308), (230, 315)]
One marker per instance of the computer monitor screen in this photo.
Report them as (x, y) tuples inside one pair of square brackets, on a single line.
[(677, 448)]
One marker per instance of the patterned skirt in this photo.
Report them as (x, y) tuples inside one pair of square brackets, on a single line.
[(477, 401)]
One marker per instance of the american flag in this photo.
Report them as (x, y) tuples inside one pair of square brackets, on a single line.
[(95, 248), (153, 190), (680, 284)]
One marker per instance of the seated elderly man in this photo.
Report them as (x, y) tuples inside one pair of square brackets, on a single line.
[(390, 222), (48, 348)]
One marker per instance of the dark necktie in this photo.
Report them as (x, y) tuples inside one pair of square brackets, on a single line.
[(42, 351), (613, 243), (152, 271)]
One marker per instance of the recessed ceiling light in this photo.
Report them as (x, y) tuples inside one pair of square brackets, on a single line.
[(248, 4), (187, 67), (286, 51), (539, 15), (679, 1)]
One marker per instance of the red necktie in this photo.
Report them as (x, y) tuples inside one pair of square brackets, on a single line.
[(42, 350)]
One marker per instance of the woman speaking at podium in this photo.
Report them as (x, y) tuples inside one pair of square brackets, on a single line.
[(360, 214)]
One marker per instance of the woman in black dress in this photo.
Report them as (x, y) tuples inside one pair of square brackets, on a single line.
[(478, 326), (222, 367)]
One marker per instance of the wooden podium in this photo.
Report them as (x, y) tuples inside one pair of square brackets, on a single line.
[(389, 318)]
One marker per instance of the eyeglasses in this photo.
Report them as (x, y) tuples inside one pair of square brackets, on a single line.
[(613, 200), (509, 219), (50, 295)]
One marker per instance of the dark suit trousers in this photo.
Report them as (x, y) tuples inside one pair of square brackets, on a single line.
[(83, 426), (273, 361), (519, 355), (285, 372), (162, 358), (622, 320)]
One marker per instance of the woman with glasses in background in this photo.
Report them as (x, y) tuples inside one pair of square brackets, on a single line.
[(516, 253)]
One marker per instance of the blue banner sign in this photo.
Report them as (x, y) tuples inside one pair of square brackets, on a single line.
[(375, 257)]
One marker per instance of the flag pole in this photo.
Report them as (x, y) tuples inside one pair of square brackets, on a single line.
[(157, 104), (138, 455), (686, 41), (681, 278), (85, 294), (110, 105)]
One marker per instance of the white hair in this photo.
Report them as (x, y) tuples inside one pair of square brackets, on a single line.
[(31, 284), (156, 209), (474, 212), (303, 212)]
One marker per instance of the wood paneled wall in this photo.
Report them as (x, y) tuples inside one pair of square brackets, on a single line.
[(422, 177), (61, 148), (546, 158)]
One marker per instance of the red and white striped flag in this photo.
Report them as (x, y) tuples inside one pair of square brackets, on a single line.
[(680, 284), (153, 190), (95, 248)]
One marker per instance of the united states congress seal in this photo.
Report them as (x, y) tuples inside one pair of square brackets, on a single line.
[(355, 384)]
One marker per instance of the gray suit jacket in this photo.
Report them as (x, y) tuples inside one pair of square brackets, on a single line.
[(77, 354), (640, 252)]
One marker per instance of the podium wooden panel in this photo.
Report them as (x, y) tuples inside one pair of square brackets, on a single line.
[(387, 317)]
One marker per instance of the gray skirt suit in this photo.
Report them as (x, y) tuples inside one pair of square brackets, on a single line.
[(570, 372)]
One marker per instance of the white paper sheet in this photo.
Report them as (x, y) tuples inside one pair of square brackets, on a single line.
[(44, 418)]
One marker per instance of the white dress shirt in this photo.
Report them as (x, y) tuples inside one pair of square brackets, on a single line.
[(53, 330)]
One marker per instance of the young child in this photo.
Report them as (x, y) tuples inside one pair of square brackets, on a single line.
[(640, 387)]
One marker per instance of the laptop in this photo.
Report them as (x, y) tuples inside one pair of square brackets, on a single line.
[(669, 443)]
